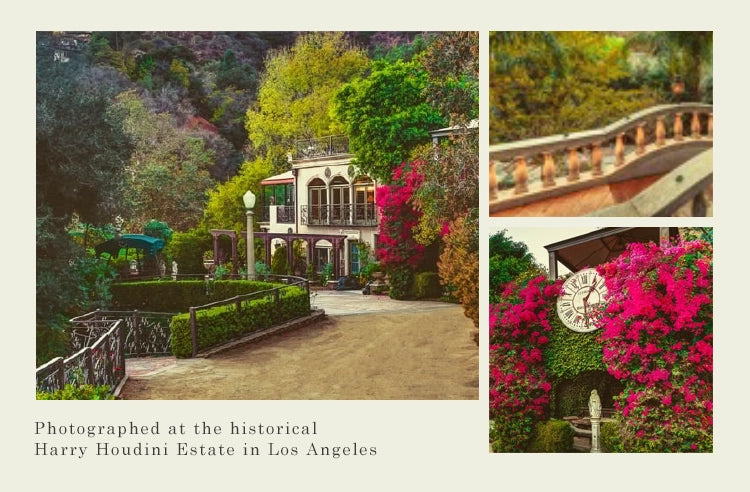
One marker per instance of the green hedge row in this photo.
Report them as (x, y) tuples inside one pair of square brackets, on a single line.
[(224, 323), (169, 296)]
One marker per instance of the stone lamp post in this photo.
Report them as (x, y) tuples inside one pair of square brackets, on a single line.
[(249, 199)]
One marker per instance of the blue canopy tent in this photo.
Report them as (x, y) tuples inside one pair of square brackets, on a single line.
[(148, 245)]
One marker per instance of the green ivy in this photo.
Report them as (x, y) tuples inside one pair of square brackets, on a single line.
[(570, 353)]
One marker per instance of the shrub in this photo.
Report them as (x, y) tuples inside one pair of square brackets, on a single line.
[(187, 248), (609, 437), (399, 281), (552, 436), (223, 323), (74, 392), (279, 261), (426, 286)]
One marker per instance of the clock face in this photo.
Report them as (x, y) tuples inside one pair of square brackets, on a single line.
[(582, 292)]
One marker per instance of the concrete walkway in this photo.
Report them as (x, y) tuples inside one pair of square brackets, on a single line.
[(408, 336)]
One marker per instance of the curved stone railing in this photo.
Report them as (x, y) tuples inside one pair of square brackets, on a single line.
[(578, 160)]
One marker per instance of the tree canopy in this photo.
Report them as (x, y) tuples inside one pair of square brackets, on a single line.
[(544, 83), (509, 261), (296, 90), (386, 115)]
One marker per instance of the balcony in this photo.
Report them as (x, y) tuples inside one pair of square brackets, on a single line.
[(339, 215), (313, 148), (285, 214)]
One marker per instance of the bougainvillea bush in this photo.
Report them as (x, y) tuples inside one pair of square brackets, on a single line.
[(519, 386), (397, 250), (657, 336)]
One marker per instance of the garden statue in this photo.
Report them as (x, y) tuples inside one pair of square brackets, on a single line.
[(595, 413), (174, 270), (595, 405)]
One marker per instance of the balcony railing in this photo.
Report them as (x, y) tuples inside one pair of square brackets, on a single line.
[(285, 214), (312, 148), (339, 215), (550, 166)]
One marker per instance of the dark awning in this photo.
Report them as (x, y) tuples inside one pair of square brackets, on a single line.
[(602, 245), (148, 244)]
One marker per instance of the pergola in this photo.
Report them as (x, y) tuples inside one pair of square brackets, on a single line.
[(336, 240), (601, 246)]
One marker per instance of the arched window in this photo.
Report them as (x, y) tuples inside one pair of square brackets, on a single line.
[(318, 201), (364, 201), (340, 201)]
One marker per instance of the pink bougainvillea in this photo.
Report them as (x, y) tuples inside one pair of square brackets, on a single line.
[(519, 387), (657, 336), (396, 245)]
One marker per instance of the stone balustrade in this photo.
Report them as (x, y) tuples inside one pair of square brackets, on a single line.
[(558, 164)]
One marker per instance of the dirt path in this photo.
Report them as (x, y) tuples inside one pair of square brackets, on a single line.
[(425, 353)]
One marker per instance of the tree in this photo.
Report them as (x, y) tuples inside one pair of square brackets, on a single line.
[(509, 261), (683, 55), (168, 170), (224, 207), (81, 155), (452, 63), (386, 115), (296, 90), (544, 83), (81, 150)]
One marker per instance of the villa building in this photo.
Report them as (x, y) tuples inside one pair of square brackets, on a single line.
[(325, 201)]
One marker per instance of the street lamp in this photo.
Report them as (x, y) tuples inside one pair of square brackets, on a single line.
[(249, 199)]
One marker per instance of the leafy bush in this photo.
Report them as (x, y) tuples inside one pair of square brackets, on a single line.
[(609, 437), (552, 436), (223, 323), (279, 261), (459, 266), (400, 280), (74, 392), (186, 248), (326, 274), (426, 286)]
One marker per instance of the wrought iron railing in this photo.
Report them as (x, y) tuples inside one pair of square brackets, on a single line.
[(103, 362), (312, 148), (285, 214), (339, 215), (146, 333)]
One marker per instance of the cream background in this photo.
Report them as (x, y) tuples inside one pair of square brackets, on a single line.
[(440, 445)]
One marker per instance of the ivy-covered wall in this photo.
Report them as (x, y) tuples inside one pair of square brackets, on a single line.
[(573, 362)]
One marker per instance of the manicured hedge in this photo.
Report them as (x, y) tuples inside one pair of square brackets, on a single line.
[(168, 296), (224, 323)]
